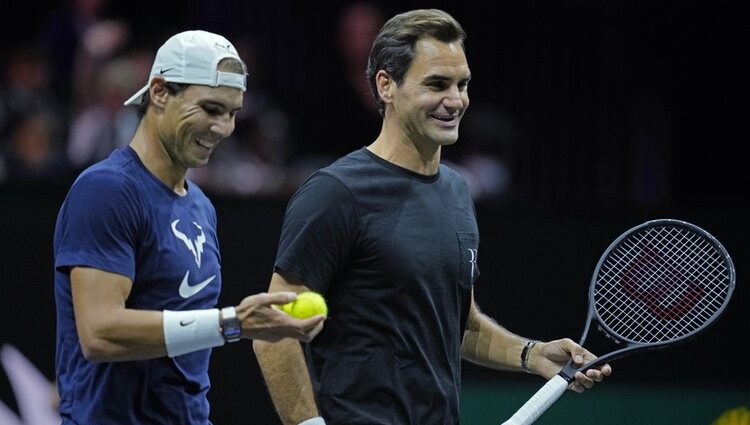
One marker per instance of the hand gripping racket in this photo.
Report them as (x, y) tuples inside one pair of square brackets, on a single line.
[(659, 284)]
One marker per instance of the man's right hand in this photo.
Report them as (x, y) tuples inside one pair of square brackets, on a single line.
[(260, 320)]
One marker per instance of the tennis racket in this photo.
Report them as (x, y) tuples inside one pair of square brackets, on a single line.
[(659, 284)]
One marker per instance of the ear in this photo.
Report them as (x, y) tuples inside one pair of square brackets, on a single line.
[(385, 85), (157, 90)]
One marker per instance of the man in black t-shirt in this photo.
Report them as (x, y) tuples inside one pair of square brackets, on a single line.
[(388, 234)]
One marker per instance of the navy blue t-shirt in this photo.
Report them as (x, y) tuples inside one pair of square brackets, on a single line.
[(118, 217), (395, 254)]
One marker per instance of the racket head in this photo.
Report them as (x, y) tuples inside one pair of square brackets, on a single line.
[(659, 284)]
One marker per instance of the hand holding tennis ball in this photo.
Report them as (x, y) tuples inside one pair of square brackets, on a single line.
[(307, 304)]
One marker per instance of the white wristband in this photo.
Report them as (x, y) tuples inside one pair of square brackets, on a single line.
[(192, 330), (313, 421)]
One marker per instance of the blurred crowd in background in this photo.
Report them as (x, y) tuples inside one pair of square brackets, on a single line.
[(63, 87), (584, 103), (61, 106)]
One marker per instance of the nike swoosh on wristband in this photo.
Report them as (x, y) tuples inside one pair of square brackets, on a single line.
[(187, 290)]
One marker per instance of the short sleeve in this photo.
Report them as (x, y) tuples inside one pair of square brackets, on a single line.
[(320, 227), (97, 225)]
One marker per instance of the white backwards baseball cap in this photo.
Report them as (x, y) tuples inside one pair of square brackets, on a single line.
[(192, 57)]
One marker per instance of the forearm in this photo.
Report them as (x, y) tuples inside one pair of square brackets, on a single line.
[(109, 331), (123, 334), (285, 371), (489, 344)]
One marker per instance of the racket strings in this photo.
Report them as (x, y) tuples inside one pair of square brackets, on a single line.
[(661, 284)]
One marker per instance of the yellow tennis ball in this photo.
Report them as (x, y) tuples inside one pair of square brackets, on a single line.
[(736, 416), (307, 304)]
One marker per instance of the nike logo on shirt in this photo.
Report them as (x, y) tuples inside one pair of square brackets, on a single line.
[(187, 290)]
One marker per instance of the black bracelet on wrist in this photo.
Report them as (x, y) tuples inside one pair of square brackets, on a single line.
[(525, 354)]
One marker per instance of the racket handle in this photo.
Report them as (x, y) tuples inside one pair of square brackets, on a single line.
[(539, 402)]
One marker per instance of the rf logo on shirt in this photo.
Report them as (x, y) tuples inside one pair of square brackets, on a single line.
[(473, 260)]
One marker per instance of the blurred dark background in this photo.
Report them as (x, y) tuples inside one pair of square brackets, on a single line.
[(586, 118)]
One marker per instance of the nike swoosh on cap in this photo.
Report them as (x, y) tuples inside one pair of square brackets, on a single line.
[(187, 290)]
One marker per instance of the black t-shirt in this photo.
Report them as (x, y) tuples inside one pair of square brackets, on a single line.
[(395, 254)]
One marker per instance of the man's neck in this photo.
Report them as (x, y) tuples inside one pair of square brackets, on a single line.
[(403, 152), (156, 160)]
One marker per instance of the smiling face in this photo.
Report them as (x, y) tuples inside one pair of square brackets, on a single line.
[(433, 96), (195, 120)]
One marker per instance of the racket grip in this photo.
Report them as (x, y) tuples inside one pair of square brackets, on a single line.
[(539, 402)]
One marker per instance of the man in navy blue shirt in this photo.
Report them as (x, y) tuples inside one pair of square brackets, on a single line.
[(137, 262), (388, 234)]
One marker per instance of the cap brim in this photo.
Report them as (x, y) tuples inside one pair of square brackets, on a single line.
[(136, 98)]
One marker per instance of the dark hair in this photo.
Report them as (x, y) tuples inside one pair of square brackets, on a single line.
[(227, 64), (393, 48)]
